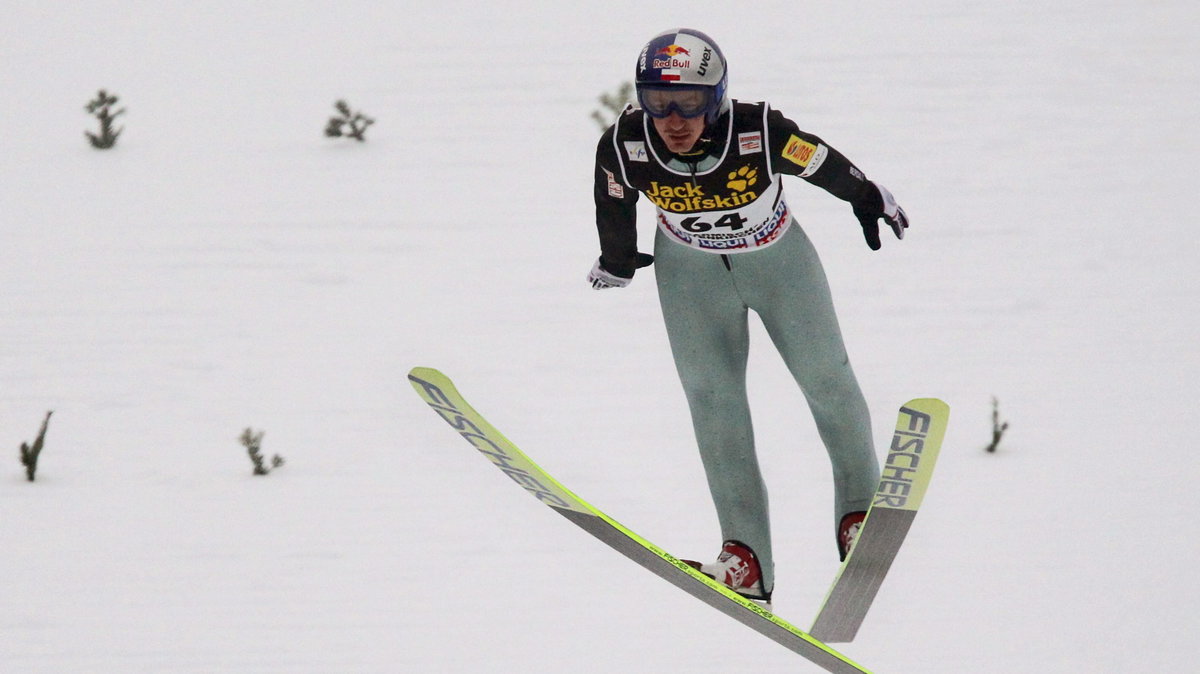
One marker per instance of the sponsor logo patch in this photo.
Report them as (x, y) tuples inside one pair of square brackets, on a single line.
[(774, 227), (615, 189), (815, 162), (636, 150), (690, 198), (798, 151), (749, 143), (742, 179)]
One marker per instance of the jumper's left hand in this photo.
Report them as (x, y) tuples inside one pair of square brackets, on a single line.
[(884, 206)]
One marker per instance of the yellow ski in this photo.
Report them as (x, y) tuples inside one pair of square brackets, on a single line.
[(439, 392), (904, 478)]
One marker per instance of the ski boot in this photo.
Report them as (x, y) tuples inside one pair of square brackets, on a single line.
[(848, 532), (737, 568)]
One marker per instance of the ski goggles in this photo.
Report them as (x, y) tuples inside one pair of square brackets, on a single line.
[(687, 101)]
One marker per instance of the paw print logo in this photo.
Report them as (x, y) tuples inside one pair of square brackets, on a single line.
[(742, 179)]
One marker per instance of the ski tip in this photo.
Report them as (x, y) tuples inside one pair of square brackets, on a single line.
[(424, 373), (928, 405), (430, 381)]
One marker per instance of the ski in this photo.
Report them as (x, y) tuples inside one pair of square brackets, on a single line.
[(920, 428), (440, 394)]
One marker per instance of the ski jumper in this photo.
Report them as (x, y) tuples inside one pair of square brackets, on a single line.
[(726, 243)]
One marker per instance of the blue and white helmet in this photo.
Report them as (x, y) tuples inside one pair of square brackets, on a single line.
[(682, 71)]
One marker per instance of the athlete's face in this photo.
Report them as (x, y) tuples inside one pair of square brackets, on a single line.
[(679, 133)]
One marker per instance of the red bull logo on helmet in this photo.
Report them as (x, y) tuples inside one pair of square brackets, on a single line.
[(672, 57)]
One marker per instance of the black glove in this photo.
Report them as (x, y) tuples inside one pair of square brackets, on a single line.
[(877, 203)]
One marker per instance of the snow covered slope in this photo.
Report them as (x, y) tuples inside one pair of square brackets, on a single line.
[(227, 266)]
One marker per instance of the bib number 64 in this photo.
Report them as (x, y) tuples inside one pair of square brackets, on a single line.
[(731, 221)]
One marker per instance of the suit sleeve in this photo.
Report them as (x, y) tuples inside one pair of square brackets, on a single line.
[(798, 153), (616, 211)]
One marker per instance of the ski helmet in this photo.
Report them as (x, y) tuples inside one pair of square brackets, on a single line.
[(682, 71)]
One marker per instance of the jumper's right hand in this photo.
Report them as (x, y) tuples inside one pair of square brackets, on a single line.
[(602, 279)]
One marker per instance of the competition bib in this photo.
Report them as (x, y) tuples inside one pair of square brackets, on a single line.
[(738, 220)]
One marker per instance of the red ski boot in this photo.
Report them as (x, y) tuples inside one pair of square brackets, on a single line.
[(848, 532), (738, 569)]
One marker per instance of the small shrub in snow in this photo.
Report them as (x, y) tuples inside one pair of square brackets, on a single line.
[(29, 454), (101, 109), (350, 124), (997, 427), (614, 103), (253, 443)]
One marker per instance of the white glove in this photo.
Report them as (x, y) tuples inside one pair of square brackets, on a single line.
[(601, 278), (892, 213)]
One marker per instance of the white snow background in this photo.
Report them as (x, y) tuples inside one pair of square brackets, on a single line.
[(228, 266)]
